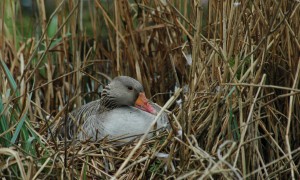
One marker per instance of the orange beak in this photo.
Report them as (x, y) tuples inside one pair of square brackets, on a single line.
[(143, 103)]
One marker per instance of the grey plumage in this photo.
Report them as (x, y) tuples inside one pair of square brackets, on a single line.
[(113, 115)]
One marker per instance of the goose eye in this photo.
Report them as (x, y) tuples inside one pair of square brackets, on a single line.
[(130, 88)]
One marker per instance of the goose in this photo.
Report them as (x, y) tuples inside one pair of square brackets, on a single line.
[(123, 112)]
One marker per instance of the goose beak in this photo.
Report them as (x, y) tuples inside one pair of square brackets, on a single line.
[(143, 103)]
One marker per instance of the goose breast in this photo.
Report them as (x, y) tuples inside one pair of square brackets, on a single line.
[(125, 123)]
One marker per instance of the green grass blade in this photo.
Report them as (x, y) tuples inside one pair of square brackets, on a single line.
[(3, 127), (9, 76), (18, 129)]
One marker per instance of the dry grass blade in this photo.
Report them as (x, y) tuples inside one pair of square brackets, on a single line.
[(15, 154)]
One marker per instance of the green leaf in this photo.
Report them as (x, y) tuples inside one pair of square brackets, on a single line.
[(52, 28), (17, 131), (3, 127), (9, 76), (85, 169), (59, 40)]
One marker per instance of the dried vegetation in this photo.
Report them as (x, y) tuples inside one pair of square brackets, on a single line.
[(235, 65)]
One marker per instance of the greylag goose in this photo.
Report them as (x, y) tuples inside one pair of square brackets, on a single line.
[(123, 111)]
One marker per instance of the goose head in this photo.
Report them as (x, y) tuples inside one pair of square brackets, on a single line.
[(126, 91)]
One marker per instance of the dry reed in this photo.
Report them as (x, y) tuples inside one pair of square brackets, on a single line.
[(236, 65)]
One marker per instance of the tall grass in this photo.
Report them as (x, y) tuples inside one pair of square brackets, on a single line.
[(235, 65)]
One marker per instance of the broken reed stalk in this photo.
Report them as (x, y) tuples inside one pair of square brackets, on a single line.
[(290, 112), (250, 117)]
